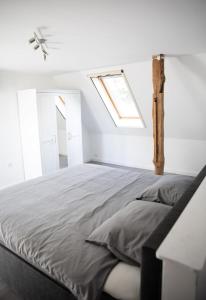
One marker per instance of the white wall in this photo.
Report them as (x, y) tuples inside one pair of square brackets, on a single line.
[(185, 110), (181, 155), (11, 165), (87, 144), (185, 122)]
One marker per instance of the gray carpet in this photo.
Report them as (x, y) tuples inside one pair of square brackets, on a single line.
[(6, 293)]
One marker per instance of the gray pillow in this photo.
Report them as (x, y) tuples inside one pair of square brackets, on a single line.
[(127, 230), (168, 189)]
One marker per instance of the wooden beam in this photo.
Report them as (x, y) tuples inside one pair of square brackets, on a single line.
[(158, 112)]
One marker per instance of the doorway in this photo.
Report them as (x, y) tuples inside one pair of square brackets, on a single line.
[(61, 131)]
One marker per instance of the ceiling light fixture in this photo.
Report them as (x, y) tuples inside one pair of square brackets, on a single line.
[(31, 40), (36, 47), (40, 43)]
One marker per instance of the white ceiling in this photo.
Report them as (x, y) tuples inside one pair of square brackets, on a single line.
[(93, 33)]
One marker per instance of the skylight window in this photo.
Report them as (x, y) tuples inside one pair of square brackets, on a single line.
[(118, 99)]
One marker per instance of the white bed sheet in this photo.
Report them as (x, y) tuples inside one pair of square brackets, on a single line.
[(123, 282)]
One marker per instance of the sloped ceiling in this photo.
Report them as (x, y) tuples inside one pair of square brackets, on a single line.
[(185, 97), (92, 33)]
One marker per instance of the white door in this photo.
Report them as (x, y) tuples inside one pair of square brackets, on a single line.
[(28, 120), (74, 128), (48, 132)]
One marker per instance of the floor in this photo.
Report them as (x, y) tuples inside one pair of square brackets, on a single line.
[(124, 167), (119, 166), (6, 293)]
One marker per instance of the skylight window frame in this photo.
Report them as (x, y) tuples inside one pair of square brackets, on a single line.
[(121, 119)]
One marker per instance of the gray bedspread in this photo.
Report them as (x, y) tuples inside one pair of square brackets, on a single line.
[(47, 220)]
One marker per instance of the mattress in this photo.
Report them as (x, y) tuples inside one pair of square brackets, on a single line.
[(123, 282), (46, 222)]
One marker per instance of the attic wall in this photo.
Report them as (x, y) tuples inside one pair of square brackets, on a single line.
[(185, 110), (182, 156), (11, 164)]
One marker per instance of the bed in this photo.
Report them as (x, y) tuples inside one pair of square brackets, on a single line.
[(30, 264)]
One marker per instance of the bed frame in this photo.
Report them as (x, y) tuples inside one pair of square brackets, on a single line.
[(32, 284)]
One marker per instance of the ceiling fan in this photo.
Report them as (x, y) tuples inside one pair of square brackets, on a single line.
[(40, 43)]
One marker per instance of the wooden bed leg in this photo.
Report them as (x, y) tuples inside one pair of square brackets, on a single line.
[(158, 112)]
